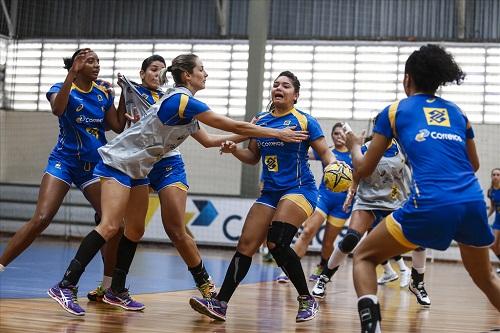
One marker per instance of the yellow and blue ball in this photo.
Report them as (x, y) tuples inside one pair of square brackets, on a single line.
[(337, 177)]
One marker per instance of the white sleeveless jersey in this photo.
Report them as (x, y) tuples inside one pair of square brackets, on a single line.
[(387, 188), (136, 103), (139, 147)]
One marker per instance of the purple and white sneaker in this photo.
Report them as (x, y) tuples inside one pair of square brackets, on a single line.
[(67, 299), (308, 308), (210, 307), (122, 300)]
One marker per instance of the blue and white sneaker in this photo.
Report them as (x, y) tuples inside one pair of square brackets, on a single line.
[(123, 300), (210, 307), (67, 299), (308, 308)]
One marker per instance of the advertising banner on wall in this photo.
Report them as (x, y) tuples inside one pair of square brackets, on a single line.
[(210, 220)]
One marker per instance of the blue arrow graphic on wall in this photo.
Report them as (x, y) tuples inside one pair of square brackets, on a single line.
[(207, 215)]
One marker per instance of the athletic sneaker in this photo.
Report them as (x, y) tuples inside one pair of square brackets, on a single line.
[(316, 273), (282, 278), (498, 270), (404, 278), (210, 307), (67, 299), (319, 290), (369, 316), (122, 300), (308, 308), (208, 289), (388, 277), (97, 294), (420, 293)]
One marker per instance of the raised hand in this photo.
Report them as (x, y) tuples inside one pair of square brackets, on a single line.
[(79, 61)]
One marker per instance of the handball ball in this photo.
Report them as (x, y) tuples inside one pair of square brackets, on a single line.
[(337, 177)]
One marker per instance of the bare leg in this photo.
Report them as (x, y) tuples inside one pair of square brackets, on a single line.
[(311, 227), (50, 197), (477, 262), (378, 246), (173, 209)]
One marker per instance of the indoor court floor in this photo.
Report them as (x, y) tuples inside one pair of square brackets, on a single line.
[(160, 279)]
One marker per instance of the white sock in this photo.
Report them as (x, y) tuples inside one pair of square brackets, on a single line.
[(401, 264), (2, 268), (106, 281), (337, 258), (418, 258), (372, 297), (388, 268)]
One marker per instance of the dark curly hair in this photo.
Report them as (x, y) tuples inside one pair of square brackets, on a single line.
[(68, 62), (295, 83), (431, 66)]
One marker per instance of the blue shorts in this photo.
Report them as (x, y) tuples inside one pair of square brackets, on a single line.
[(168, 171), (436, 227), (379, 215), (304, 196), (105, 171), (71, 170), (496, 223), (330, 206)]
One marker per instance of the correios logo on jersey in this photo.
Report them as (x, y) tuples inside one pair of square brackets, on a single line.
[(423, 134), (86, 120)]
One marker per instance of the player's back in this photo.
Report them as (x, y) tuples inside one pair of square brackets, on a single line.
[(433, 133)]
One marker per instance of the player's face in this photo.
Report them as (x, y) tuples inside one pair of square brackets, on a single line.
[(91, 67), (283, 93), (151, 77), (495, 177), (198, 77), (337, 137)]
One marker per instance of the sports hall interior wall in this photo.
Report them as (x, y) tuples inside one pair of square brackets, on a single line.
[(451, 20)]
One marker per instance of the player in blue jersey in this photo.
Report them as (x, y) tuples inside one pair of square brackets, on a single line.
[(287, 198), (494, 195), (149, 91), (329, 207), (126, 162), (446, 201), (85, 109)]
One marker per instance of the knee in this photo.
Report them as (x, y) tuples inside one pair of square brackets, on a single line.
[(41, 221), (135, 233), (279, 238), (350, 240), (107, 230), (176, 234)]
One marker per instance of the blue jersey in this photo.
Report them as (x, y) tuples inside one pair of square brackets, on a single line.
[(152, 96), (494, 195), (344, 156), (285, 165), (432, 132), (180, 109), (81, 126)]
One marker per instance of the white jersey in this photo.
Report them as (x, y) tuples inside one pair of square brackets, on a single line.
[(135, 103), (387, 188), (139, 147)]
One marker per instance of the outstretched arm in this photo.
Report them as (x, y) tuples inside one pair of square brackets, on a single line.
[(213, 119), (250, 155), (366, 164), (214, 140)]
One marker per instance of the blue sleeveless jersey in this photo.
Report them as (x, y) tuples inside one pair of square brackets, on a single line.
[(285, 165), (81, 126), (432, 132)]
